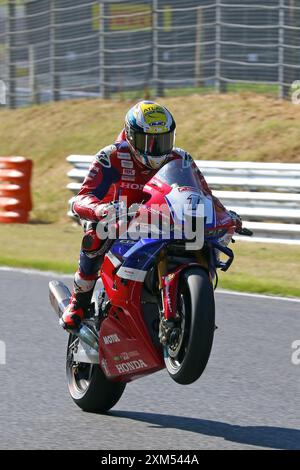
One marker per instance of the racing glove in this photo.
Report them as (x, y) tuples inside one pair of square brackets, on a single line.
[(237, 220), (113, 215)]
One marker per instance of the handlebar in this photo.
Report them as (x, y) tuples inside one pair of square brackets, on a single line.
[(245, 232)]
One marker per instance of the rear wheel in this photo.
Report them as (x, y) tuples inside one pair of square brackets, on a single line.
[(87, 384), (186, 357)]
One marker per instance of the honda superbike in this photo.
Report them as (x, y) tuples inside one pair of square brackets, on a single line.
[(153, 305)]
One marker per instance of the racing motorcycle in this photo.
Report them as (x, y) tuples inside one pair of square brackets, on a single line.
[(153, 305)]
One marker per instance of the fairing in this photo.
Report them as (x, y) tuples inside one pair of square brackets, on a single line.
[(126, 349)]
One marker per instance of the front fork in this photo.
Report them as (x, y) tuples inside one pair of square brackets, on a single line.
[(168, 285)]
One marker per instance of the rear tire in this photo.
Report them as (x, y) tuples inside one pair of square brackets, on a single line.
[(196, 307), (89, 387)]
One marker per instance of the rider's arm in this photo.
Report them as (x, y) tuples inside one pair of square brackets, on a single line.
[(89, 204)]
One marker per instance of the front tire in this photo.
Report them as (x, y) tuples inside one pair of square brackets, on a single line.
[(187, 359), (88, 386)]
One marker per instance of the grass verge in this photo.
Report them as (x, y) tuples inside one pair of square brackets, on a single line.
[(261, 268), (53, 247)]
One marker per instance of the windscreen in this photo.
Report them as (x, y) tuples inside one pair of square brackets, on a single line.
[(178, 173)]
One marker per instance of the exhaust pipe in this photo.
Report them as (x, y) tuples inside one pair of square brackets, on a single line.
[(60, 296), (88, 337)]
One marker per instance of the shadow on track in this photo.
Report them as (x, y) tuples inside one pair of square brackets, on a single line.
[(262, 436)]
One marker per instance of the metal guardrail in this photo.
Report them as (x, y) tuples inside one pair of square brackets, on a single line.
[(266, 195)]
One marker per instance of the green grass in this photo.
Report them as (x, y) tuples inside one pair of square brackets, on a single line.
[(245, 283), (41, 265), (45, 247), (263, 268)]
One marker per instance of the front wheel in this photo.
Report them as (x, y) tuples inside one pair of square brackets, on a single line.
[(187, 357), (88, 386)]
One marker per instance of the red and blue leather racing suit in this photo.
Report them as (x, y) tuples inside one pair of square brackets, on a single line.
[(113, 171)]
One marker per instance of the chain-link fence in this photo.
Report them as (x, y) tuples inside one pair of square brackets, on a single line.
[(59, 49)]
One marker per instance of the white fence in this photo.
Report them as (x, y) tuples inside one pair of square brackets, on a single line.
[(58, 49), (266, 195)]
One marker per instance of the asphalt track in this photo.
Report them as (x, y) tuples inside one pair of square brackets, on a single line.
[(248, 397)]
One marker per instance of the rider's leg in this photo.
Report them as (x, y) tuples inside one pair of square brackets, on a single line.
[(90, 262)]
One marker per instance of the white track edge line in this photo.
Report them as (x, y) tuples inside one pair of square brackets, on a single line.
[(257, 296), (36, 272)]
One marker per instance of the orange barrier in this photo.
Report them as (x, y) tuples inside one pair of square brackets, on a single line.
[(15, 191)]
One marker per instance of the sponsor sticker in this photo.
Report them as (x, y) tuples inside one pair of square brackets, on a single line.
[(132, 274), (103, 156), (104, 159), (124, 156), (126, 164), (181, 189), (135, 186), (126, 356), (128, 178), (111, 339), (125, 367), (129, 172)]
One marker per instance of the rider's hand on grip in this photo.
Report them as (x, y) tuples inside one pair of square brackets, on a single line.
[(110, 211), (239, 225), (102, 210), (237, 220), (113, 216)]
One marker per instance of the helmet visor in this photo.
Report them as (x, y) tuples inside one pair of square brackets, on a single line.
[(154, 145)]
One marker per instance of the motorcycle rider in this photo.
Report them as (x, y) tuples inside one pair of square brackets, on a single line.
[(145, 144)]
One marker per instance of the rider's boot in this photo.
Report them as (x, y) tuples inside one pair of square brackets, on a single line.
[(80, 301)]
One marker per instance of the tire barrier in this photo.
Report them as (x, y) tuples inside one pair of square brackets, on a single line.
[(15, 190)]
